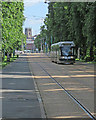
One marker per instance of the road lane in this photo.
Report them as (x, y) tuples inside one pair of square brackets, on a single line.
[(80, 85), (77, 78)]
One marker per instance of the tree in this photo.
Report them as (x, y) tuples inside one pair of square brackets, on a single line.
[(12, 22), (89, 30), (75, 21)]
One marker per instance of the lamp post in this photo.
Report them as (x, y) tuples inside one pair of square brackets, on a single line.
[(46, 44), (22, 45), (41, 47)]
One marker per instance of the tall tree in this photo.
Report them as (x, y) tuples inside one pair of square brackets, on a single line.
[(75, 21), (12, 22)]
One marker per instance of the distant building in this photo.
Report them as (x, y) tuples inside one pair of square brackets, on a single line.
[(28, 33), (30, 40)]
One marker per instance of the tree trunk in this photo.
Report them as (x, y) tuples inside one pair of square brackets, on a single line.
[(91, 53), (84, 52), (13, 53), (8, 57)]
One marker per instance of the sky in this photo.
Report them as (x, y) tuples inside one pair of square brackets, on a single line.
[(35, 11)]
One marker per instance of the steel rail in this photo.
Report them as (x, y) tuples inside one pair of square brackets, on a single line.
[(71, 96)]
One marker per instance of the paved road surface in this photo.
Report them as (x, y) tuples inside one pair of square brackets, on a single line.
[(19, 94), (78, 79), (25, 77)]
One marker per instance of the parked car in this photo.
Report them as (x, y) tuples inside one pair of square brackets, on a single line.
[(18, 52), (27, 51)]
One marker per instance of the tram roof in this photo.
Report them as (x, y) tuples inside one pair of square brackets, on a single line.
[(65, 42)]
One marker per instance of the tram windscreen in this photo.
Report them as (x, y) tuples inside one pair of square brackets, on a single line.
[(66, 50)]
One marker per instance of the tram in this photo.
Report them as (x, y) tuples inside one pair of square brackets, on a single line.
[(63, 52)]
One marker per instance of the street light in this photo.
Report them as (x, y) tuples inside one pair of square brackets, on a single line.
[(41, 45), (46, 1), (46, 44)]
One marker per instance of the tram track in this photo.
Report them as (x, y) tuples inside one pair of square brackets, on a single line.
[(70, 95)]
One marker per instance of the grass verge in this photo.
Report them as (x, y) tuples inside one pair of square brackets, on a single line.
[(12, 59), (91, 62)]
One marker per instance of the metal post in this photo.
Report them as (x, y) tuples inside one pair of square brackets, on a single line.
[(22, 45), (51, 39), (41, 46), (46, 44)]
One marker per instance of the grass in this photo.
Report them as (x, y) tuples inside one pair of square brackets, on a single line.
[(91, 62), (4, 63), (80, 60)]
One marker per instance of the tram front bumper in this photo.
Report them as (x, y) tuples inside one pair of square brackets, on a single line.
[(66, 60)]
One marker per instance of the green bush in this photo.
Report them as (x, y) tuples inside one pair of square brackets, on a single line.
[(87, 59)]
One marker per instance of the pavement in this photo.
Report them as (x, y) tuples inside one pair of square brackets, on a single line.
[(28, 92), (20, 99), (78, 79)]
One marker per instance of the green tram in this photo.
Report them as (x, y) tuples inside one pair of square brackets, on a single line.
[(63, 52)]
